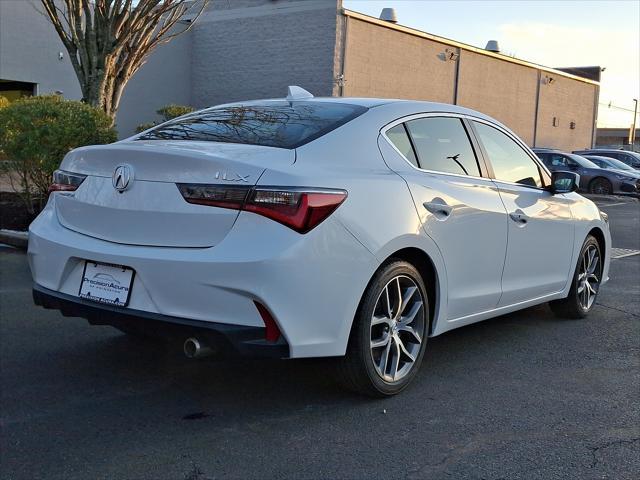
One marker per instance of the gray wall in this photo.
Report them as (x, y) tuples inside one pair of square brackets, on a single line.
[(29, 49), (248, 49), (164, 79)]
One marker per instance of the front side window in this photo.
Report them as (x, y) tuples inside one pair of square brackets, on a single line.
[(442, 145), (510, 162), (399, 137), (272, 124), (559, 161)]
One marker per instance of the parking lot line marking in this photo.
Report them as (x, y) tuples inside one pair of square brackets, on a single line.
[(604, 205)]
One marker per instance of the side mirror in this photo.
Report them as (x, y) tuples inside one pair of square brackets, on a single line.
[(564, 182)]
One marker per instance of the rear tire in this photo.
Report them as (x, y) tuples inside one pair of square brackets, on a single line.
[(585, 284), (389, 333), (600, 186)]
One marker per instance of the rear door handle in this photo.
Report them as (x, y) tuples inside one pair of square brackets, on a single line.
[(519, 217), (442, 211)]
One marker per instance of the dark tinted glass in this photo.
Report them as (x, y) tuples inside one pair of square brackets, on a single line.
[(559, 160), (598, 162), (510, 162), (398, 136), (544, 157), (272, 124), (442, 145)]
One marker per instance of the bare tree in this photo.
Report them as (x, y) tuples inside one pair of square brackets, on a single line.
[(109, 40)]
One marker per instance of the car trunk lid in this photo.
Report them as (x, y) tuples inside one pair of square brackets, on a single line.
[(150, 209)]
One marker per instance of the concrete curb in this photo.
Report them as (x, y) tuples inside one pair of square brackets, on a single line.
[(14, 238)]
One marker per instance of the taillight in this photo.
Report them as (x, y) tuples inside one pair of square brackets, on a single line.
[(66, 181), (300, 209), (214, 195)]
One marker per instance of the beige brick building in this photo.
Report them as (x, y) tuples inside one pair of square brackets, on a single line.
[(253, 48), (546, 107)]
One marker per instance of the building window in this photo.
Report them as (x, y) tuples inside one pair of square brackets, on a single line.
[(12, 91)]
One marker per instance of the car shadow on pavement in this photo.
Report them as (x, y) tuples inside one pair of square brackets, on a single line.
[(123, 361)]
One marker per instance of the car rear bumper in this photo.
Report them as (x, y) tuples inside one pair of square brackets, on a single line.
[(222, 337), (293, 276)]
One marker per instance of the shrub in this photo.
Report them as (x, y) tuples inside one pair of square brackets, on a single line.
[(37, 132), (4, 102), (168, 112)]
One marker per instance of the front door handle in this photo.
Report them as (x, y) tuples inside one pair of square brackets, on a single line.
[(519, 217), (442, 211)]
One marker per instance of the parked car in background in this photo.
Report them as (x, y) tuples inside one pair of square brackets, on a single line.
[(593, 179), (611, 164), (630, 158), (316, 227)]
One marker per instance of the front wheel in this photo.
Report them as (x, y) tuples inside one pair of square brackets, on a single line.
[(389, 333), (601, 186), (585, 284)]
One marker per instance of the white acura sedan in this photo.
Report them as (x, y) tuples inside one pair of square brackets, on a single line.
[(316, 227)]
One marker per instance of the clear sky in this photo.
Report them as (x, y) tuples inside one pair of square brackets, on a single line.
[(555, 33)]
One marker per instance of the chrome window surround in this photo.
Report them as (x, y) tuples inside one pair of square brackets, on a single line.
[(532, 156)]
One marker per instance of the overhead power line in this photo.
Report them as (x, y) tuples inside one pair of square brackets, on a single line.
[(611, 105)]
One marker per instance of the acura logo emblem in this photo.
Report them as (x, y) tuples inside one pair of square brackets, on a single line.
[(122, 177)]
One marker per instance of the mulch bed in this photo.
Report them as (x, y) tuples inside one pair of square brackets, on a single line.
[(13, 212)]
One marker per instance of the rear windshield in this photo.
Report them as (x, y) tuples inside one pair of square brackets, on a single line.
[(274, 124)]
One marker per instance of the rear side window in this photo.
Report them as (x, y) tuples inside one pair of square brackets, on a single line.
[(442, 145), (510, 162), (399, 137), (272, 124)]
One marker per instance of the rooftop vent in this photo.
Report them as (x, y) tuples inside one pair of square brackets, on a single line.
[(492, 46), (389, 15)]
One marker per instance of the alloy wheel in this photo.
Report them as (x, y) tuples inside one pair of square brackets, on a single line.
[(397, 328), (588, 281), (601, 187)]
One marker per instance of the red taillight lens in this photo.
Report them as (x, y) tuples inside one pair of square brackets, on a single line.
[(66, 181), (300, 209)]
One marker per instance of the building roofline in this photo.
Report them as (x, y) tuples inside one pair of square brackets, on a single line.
[(462, 46)]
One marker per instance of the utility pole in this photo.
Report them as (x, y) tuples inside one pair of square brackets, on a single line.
[(633, 128)]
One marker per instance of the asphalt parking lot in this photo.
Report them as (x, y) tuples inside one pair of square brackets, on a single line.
[(524, 396)]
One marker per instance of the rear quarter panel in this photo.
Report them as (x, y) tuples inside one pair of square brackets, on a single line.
[(379, 211)]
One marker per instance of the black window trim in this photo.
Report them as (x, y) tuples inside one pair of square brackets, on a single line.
[(475, 146)]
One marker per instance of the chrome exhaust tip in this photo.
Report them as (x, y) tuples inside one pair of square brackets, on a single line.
[(193, 348)]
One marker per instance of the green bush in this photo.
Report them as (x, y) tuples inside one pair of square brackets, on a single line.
[(37, 132), (168, 112)]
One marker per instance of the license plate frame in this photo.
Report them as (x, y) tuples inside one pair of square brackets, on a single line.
[(109, 279)]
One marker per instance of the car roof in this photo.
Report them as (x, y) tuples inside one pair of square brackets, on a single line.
[(598, 157), (616, 150), (418, 105), (391, 108)]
